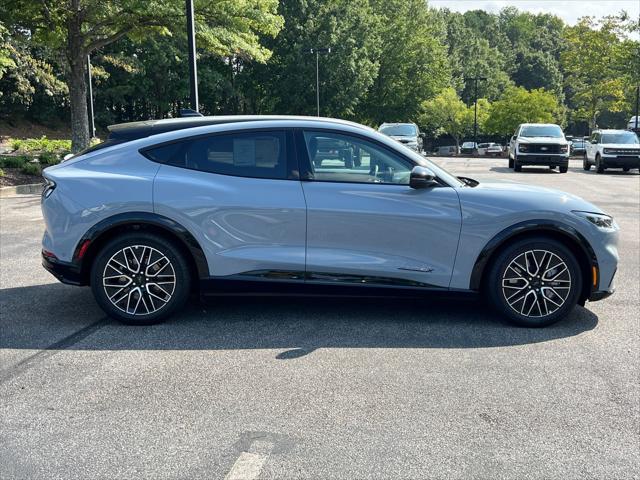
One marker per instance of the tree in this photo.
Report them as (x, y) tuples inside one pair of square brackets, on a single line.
[(78, 28), (287, 83), (589, 63), (447, 114), (518, 105), (413, 63)]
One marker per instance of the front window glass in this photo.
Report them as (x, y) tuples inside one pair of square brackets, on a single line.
[(622, 137), (342, 158), (399, 130), (552, 131)]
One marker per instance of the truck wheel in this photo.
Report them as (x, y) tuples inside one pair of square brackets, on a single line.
[(585, 163), (564, 168), (510, 162), (599, 166)]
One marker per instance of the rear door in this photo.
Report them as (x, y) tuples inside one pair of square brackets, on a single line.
[(239, 195), (365, 225)]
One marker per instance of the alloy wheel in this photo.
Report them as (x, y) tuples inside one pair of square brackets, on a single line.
[(139, 280), (536, 283)]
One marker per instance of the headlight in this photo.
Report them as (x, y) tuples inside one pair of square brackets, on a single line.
[(523, 148), (600, 220), (564, 148), (607, 150)]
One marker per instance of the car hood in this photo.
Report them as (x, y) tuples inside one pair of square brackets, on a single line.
[(518, 196), (633, 146), (404, 137), (551, 140)]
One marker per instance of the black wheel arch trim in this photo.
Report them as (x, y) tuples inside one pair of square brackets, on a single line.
[(150, 219), (532, 226)]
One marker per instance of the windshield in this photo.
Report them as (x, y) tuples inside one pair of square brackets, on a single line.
[(398, 130), (553, 131), (622, 137)]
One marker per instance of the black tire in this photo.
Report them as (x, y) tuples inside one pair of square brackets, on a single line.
[(163, 304), (625, 169), (564, 168), (510, 162), (500, 267), (586, 166), (516, 165), (599, 166)]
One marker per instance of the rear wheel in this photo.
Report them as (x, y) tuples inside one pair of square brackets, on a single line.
[(140, 278), (534, 282)]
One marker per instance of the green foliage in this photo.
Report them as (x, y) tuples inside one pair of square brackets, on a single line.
[(448, 114), (518, 105), (16, 161), (31, 169), (412, 61), (42, 144), (590, 63), (1, 172)]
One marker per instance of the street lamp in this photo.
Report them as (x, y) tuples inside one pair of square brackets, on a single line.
[(475, 109), (193, 71), (318, 52)]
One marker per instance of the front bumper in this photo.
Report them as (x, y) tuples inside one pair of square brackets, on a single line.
[(542, 159), (65, 272), (621, 161)]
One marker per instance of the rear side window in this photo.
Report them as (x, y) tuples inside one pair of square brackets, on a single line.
[(251, 154)]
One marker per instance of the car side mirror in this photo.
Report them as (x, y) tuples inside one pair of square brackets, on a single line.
[(422, 135), (513, 139), (421, 177)]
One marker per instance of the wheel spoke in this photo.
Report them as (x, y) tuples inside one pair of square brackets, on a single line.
[(139, 280), (541, 284)]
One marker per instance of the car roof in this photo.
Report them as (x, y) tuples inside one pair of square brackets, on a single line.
[(123, 132), (539, 125), (611, 130)]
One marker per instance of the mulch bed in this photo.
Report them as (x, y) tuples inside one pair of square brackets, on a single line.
[(13, 176)]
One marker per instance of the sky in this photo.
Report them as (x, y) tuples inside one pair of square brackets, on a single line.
[(568, 10)]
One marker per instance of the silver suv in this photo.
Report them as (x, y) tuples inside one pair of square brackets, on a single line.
[(406, 133), (307, 205), (539, 144)]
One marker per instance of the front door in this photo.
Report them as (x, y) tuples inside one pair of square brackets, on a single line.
[(365, 225)]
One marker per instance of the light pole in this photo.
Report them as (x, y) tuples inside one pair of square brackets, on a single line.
[(475, 109), (193, 70), (92, 123), (318, 51)]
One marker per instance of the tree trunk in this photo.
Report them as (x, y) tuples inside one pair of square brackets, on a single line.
[(78, 99), (76, 81)]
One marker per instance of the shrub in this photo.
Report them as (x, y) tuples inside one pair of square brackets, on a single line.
[(31, 169), (42, 144), (47, 158), (14, 162), (1, 172)]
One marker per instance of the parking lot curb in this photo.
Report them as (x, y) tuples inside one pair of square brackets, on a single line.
[(30, 189)]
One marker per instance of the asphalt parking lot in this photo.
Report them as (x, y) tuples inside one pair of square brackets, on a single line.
[(320, 388)]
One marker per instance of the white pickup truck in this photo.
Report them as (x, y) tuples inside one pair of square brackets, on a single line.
[(539, 144)]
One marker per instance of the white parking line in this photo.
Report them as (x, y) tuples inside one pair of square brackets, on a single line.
[(249, 464)]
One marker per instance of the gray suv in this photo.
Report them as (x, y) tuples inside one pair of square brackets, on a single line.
[(308, 205)]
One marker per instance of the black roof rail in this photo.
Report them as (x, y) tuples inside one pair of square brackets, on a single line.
[(187, 112)]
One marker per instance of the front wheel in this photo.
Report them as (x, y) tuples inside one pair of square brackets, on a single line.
[(534, 282), (586, 166), (564, 168), (140, 278), (599, 165)]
